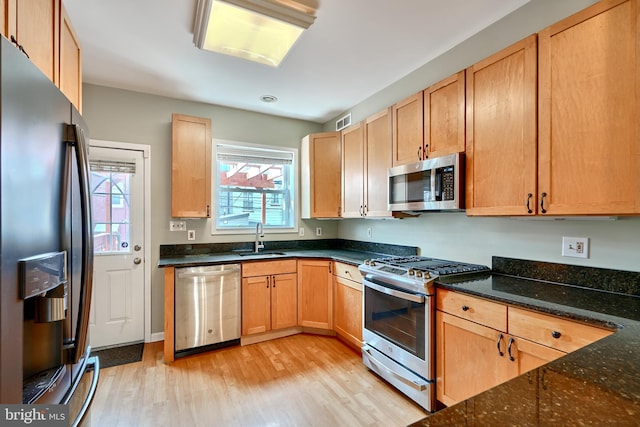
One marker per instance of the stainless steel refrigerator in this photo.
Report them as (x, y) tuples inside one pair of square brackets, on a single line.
[(46, 251)]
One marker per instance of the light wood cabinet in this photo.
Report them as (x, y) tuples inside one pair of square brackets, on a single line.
[(3, 18), (366, 149), (481, 343), (70, 62), (269, 296), (315, 301), (444, 117), (35, 24), (468, 360), (320, 175), (347, 303), (501, 132), (408, 130), (190, 167), (589, 104)]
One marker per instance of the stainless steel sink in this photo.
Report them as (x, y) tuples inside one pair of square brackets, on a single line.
[(262, 254)]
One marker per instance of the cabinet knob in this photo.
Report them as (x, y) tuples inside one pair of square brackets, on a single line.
[(465, 308), (555, 334)]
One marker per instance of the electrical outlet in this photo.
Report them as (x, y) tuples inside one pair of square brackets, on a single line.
[(301, 232), (577, 247), (191, 235), (318, 231), (369, 232), (177, 225)]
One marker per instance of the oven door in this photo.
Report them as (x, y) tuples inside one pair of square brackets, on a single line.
[(399, 324)]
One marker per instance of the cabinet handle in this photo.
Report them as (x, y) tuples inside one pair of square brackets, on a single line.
[(511, 341), (542, 209), (529, 196), (273, 281), (555, 334), (424, 154), (361, 211), (19, 46), (268, 281), (419, 153), (208, 210), (365, 211), (465, 308), (498, 344)]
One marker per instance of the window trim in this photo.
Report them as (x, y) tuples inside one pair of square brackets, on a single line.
[(214, 189)]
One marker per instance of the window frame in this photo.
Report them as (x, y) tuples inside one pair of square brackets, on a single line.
[(295, 179)]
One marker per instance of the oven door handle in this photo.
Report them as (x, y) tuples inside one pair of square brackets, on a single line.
[(419, 386), (395, 293)]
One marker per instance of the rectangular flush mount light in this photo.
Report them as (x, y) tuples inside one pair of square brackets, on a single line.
[(258, 30)]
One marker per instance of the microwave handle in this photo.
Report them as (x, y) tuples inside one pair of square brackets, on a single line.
[(436, 185)]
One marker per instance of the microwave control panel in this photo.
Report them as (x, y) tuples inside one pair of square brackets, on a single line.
[(448, 183)]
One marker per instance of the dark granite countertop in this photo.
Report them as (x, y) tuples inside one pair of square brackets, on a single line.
[(348, 251), (596, 385)]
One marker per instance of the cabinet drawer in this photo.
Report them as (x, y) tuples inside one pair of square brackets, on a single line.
[(347, 271), (491, 314), (265, 268), (561, 334)]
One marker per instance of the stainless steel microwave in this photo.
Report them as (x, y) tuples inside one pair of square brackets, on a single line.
[(432, 184)]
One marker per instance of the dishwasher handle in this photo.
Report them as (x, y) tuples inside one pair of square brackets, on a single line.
[(211, 273)]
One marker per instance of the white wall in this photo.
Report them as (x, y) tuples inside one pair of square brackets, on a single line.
[(613, 243)]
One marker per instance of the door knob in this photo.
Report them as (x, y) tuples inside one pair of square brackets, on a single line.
[(137, 260), (137, 248)]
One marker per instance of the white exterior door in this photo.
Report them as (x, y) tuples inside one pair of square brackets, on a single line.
[(117, 196)]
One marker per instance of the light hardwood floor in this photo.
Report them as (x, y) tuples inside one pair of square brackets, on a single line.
[(301, 380)]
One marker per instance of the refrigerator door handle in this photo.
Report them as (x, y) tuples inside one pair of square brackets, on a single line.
[(75, 136), (87, 363)]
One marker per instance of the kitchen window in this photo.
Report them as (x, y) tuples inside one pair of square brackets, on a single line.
[(253, 184)]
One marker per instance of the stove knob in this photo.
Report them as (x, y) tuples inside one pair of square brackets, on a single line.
[(411, 272), (366, 262), (418, 273), (426, 275), (372, 263)]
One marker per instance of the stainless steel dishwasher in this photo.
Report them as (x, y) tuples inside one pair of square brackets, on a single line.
[(207, 308)]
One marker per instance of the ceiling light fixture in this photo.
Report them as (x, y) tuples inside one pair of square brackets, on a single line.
[(258, 30)]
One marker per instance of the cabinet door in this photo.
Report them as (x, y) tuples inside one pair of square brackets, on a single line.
[(347, 310), (589, 138), (377, 163), (444, 116), (315, 307), (284, 301), (408, 130), (501, 132), (529, 355), (36, 26), (3, 18), (352, 171), (321, 173), (471, 358), (70, 63), (190, 167), (256, 305)]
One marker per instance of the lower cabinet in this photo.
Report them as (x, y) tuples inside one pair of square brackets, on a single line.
[(347, 304), (315, 301), (269, 296), (476, 350)]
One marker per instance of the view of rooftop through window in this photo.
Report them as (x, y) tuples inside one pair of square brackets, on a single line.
[(254, 185)]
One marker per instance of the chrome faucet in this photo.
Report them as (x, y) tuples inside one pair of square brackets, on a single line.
[(259, 234)]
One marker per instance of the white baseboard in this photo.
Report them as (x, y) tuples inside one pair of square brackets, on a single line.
[(158, 336)]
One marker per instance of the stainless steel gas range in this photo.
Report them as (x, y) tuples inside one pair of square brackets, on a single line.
[(399, 313)]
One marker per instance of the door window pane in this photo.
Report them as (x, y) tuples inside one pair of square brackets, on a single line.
[(110, 196)]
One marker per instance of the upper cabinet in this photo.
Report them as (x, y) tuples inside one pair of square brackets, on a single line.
[(444, 117), (42, 29), (321, 186), (190, 167), (408, 130), (366, 158), (501, 132), (35, 25), (589, 104), (70, 62)]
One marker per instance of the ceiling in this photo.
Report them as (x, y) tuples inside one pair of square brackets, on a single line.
[(354, 49)]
